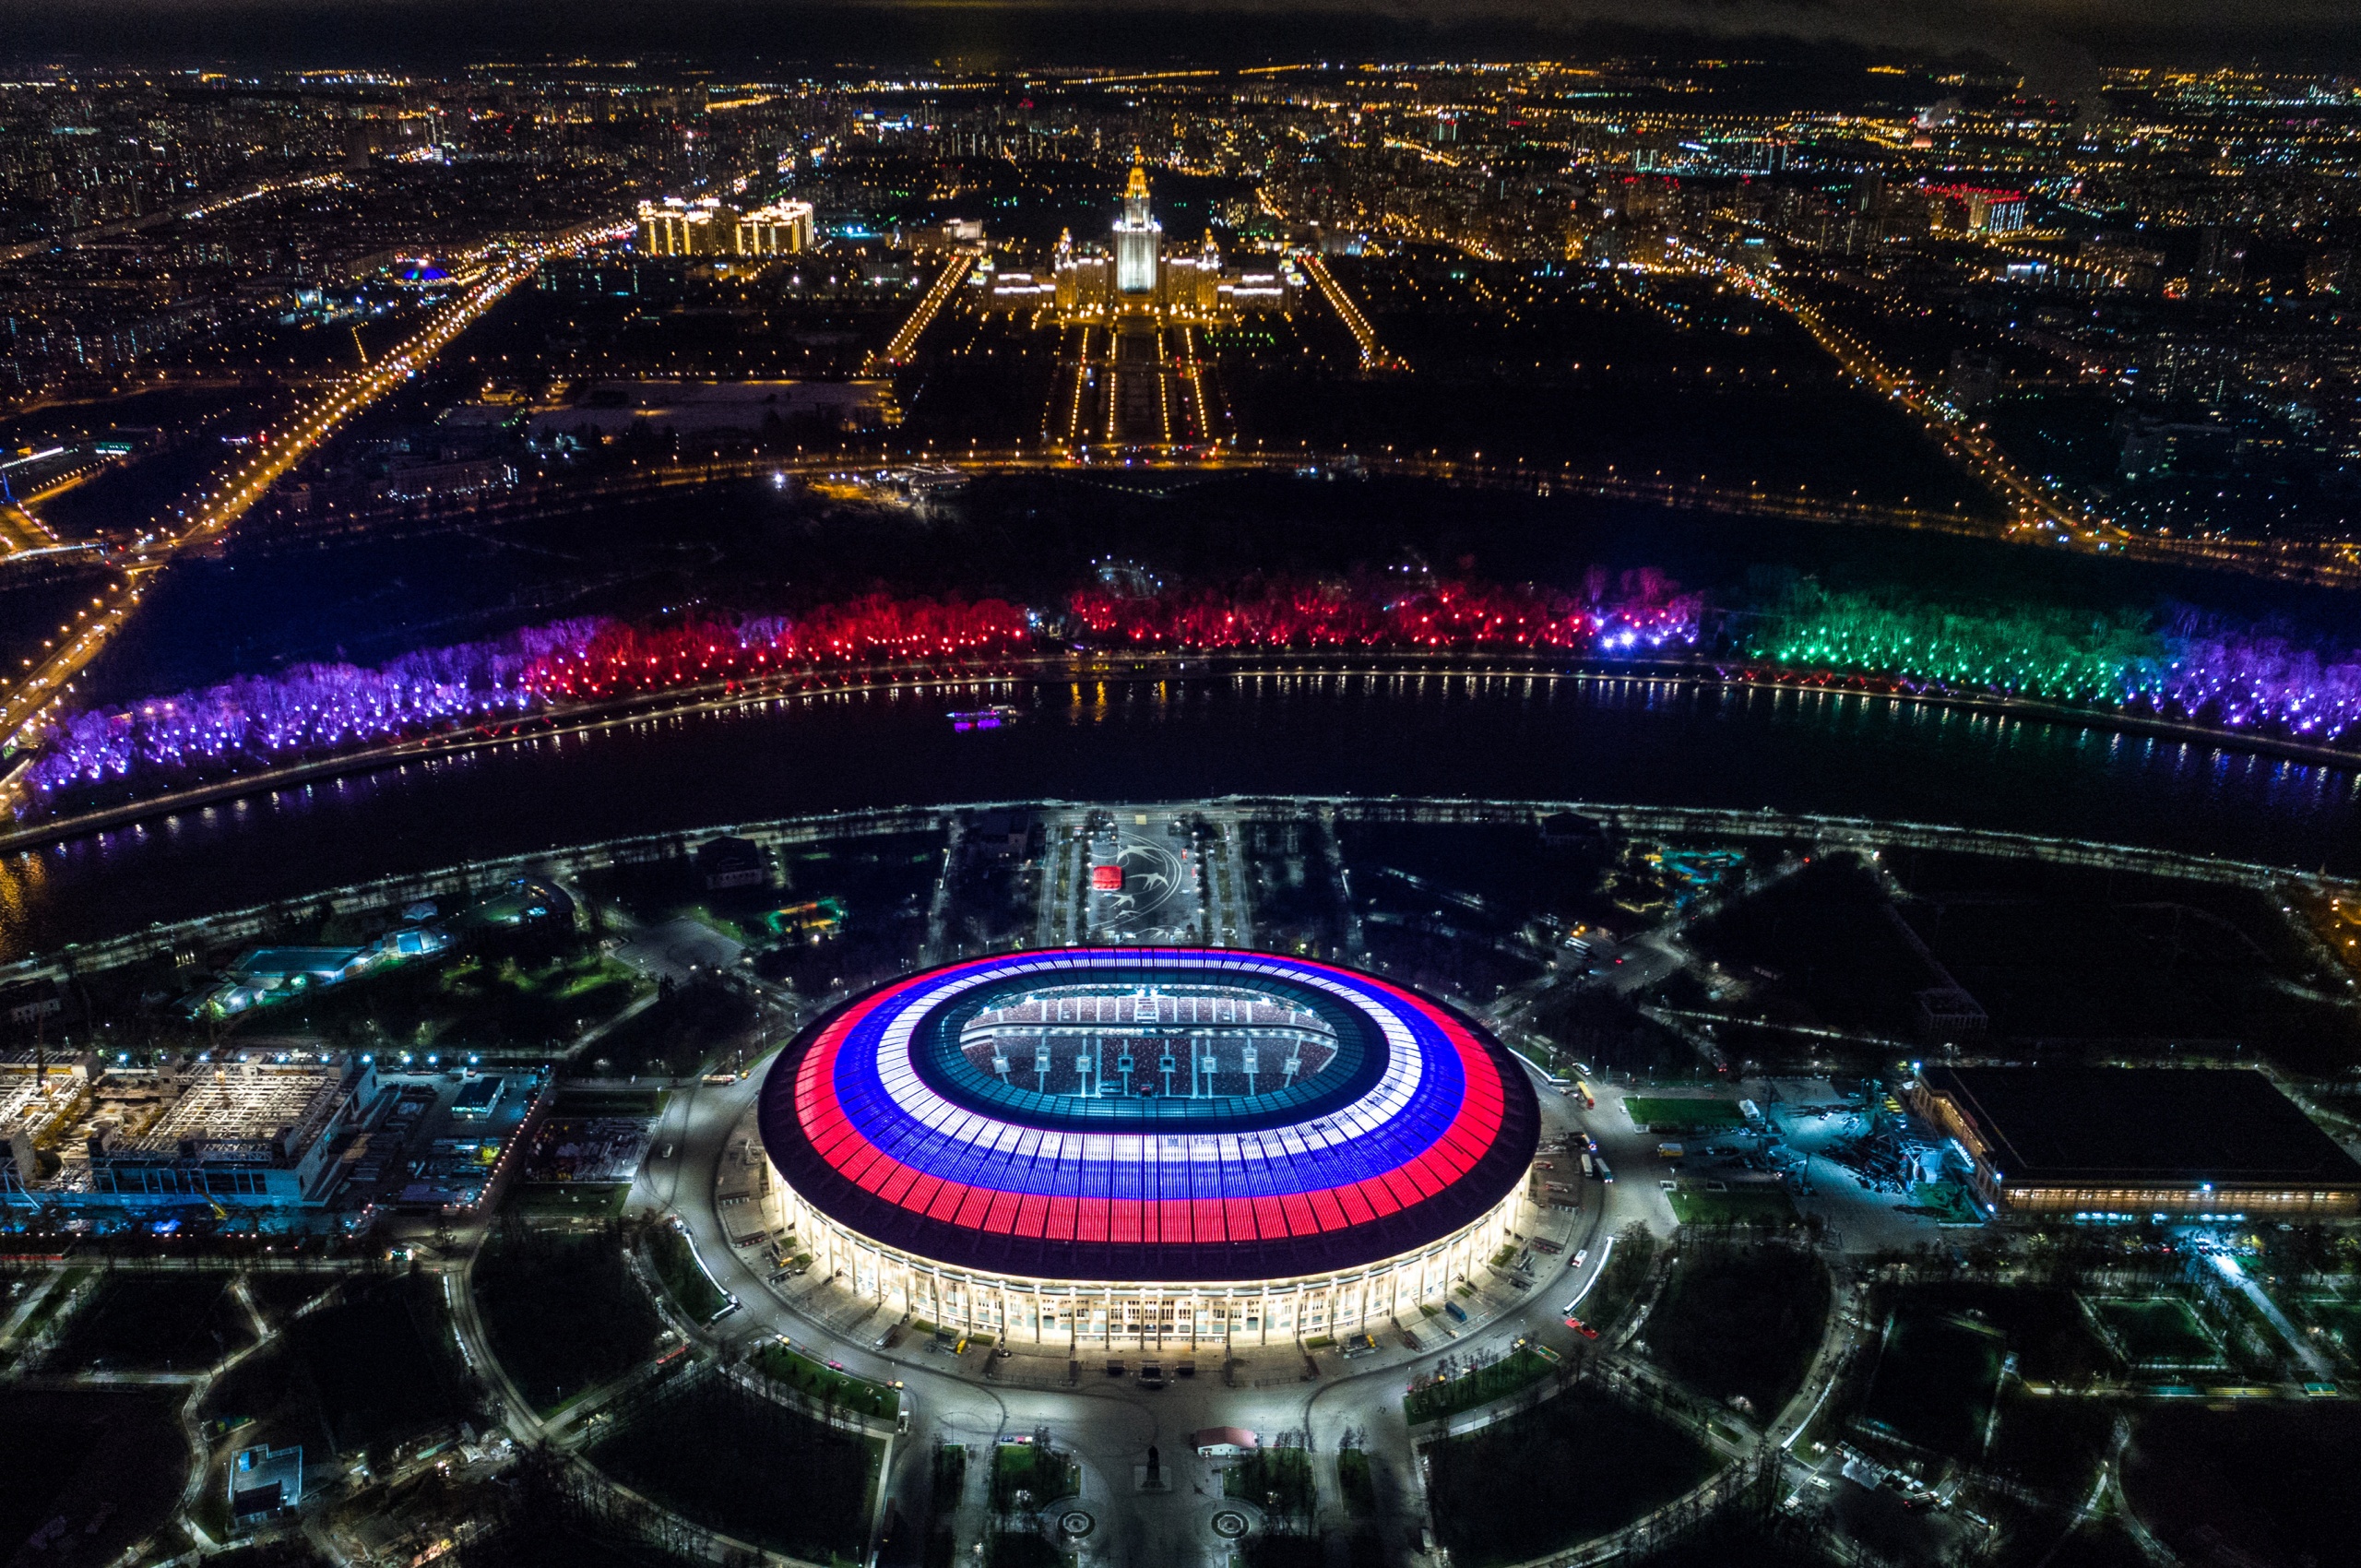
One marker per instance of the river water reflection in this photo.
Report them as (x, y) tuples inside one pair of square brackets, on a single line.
[(1500, 736)]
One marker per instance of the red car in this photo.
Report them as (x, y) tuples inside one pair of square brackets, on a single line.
[(1579, 1326)]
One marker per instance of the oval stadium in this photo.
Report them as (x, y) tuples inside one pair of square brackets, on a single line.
[(1102, 1146)]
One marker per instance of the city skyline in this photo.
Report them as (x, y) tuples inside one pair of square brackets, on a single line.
[(1056, 786)]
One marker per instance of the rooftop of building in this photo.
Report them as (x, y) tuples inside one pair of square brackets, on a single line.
[(2161, 1124)]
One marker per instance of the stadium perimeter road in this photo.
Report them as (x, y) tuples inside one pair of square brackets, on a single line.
[(1108, 1423)]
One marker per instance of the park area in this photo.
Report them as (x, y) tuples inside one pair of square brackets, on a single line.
[(2339, 1318), (562, 1310), (1445, 1397), (1277, 1480), (154, 1323), (1740, 1323), (1574, 1467), (1935, 1380), (86, 1474), (675, 1258), (749, 1468), (373, 1369), (823, 1386), (1027, 1475), (539, 995), (2253, 1483)]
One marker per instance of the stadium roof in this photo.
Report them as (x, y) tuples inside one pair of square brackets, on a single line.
[(2228, 1125), (1419, 1126)]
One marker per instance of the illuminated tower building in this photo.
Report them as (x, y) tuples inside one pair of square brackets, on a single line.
[(1139, 241), (710, 226)]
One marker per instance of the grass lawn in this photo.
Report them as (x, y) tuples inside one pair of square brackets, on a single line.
[(1356, 1484), (1573, 1467), (1663, 1113), (2158, 1332), (2047, 1327), (562, 1311), (1738, 1321), (1755, 1204), (751, 1467), (1434, 1401), (1029, 1468), (682, 1275), (676, 1035), (821, 1381), (575, 1200)]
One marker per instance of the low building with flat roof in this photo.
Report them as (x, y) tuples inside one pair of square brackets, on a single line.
[(2134, 1142), (263, 1480)]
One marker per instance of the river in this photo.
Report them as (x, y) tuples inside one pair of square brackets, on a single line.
[(1498, 736)]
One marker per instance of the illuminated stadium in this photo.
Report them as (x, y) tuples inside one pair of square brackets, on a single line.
[(1093, 1145)]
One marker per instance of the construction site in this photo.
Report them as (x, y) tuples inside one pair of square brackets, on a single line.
[(253, 1133)]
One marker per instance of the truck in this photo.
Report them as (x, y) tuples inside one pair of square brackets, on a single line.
[(1458, 1313), (1589, 1169), (1670, 1151), (1604, 1173)]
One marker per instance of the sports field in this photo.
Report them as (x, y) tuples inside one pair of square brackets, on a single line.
[(2157, 1332), (1664, 1113)]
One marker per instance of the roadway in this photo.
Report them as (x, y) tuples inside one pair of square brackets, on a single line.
[(39, 693), (1108, 1423)]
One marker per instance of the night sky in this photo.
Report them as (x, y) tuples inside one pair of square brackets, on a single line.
[(2056, 43)]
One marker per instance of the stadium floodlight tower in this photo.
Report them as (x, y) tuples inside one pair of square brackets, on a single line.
[(1168, 1066), (1041, 1066), (1293, 1065), (1123, 1067), (1248, 1059), (1081, 1073)]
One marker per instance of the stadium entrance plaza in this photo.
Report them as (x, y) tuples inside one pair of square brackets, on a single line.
[(1281, 1392)]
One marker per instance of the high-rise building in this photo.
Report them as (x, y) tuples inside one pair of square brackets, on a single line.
[(711, 227), (1981, 211), (1140, 281), (1139, 239)]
